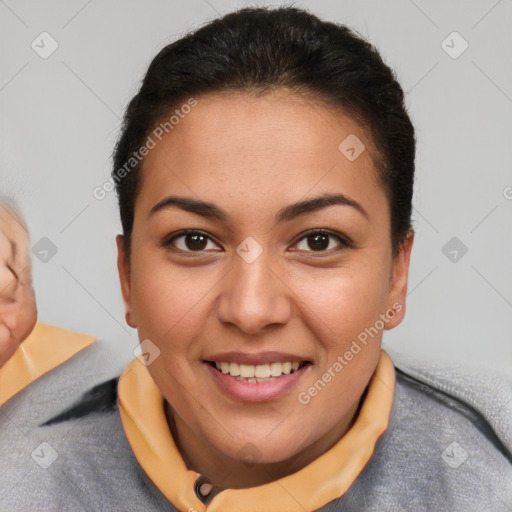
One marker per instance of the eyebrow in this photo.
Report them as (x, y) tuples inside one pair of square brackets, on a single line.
[(290, 212)]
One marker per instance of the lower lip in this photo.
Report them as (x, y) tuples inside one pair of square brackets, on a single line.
[(257, 391)]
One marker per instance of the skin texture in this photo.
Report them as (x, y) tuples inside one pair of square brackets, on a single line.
[(253, 156), (18, 311)]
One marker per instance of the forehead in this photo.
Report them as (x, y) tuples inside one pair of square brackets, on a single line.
[(247, 149)]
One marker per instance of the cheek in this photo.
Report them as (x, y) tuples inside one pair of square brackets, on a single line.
[(342, 302), (348, 306), (342, 312), (168, 301), (167, 304)]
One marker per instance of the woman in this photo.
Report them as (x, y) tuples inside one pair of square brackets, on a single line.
[(265, 178)]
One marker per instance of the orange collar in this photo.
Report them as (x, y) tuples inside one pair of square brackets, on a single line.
[(325, 479), (46, 347)]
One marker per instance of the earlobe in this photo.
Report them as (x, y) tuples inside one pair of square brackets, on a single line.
[(125, 280), (398, 291)]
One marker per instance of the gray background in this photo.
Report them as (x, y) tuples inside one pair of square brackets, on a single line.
[(60, 116)]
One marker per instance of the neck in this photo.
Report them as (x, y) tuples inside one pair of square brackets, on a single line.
[(224, 472)]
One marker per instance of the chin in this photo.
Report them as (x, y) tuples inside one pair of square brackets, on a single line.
[(260, 450)]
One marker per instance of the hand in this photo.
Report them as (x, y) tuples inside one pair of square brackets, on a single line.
[(18, 310)]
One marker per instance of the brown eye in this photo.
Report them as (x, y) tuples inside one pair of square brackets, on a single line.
[(189, 241), (320, 241), (195, 242)]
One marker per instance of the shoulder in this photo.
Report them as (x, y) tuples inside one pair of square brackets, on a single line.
[(448, 444), (476, 397), (80, 459), (54, 370), (40, 430)]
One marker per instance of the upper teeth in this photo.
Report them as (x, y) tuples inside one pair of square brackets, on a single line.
[(259, 371)]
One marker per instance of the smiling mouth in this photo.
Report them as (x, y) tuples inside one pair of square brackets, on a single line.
[(257, 373)]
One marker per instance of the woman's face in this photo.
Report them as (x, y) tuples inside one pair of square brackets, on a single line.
[(255, 286)]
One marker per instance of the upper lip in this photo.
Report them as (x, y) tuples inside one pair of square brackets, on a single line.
[(255, 359)]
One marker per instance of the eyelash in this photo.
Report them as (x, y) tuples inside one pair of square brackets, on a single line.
[(344, 242)]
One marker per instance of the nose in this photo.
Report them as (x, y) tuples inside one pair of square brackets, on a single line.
[(254, 296)]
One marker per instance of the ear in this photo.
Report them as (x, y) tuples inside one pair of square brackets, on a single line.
[(123, 268), (398, 291)]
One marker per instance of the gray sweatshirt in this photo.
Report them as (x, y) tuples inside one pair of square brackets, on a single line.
[(447, 448)]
